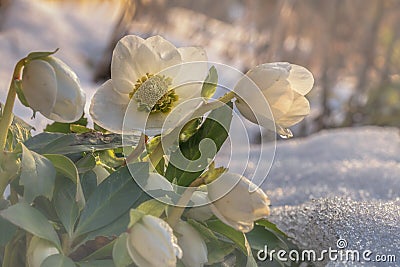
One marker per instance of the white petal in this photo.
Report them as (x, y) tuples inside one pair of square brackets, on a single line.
[(70, 99), (244, 227), (190, 54), (267, 74), (300, 79), (299, 109), (123, 65), (108, 107), (165, 53), (39, 85)]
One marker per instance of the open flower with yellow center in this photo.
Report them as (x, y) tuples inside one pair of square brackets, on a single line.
[(284, 86), (149, 79)]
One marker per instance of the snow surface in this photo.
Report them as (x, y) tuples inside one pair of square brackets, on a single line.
[(338, 183)]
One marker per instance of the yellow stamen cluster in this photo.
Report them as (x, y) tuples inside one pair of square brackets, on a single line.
[(153, 94)]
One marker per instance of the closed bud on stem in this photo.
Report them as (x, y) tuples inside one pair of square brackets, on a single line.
[(193, 245), (151, 243), (241, 204), (52, 88)]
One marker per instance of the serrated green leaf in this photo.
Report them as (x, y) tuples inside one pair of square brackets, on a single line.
[(67, 168), (210, 83), (32, 221), (120, 253), (113, 197), (65, 205), (37, 175), (58, 260), (215, 128), (40, 55)]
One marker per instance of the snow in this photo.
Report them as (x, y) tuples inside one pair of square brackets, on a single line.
[(337, 183)]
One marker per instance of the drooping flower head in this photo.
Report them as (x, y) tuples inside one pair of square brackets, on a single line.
[(143, 71), (53, 89), (284, 86)]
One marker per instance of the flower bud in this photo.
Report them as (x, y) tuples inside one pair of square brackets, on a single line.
[(151, 243), (38, 250), (53, 89), (193, 245), (201, 212), (241, 204), (283, 86)]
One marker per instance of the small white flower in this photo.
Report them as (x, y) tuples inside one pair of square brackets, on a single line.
[(201, 210), (241, 205), (284, 86), (142, 71), (151, 243), (193, 246), (52, 88), (38, 250)]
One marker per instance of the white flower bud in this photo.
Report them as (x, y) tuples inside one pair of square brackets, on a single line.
[(202, 211), (193, 245), (151, 243), (38, 250), (52, 88), (283, 86), (241, 205)]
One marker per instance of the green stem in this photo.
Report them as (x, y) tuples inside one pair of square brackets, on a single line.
[(177, 211), (7, 115)]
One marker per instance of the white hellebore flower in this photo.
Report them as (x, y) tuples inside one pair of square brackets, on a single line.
[(201, 210), (52, 88), (151, 243), (193, 245), (151, 73), (38, 250), (241, 205), (284, 86)]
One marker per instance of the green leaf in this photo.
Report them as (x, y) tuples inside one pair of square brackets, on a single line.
[(40, 55), (20, 93), (89, 183), (112, 198), (67, 168), (65, 205), (120, 253), (86, 163), (237, 237), (37, 175), (61, 127), (58, 143), (32, 221), (152, 207), (251, 262), (102, 253), (214, 128), (217, 251), (7, 229), (210, 83), (58, 260), (9, 167)]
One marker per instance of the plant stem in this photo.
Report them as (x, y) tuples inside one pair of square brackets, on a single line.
[(7, 115), (178, 210)]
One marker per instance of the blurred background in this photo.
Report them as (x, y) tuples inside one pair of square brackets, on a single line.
[(351, 47)]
